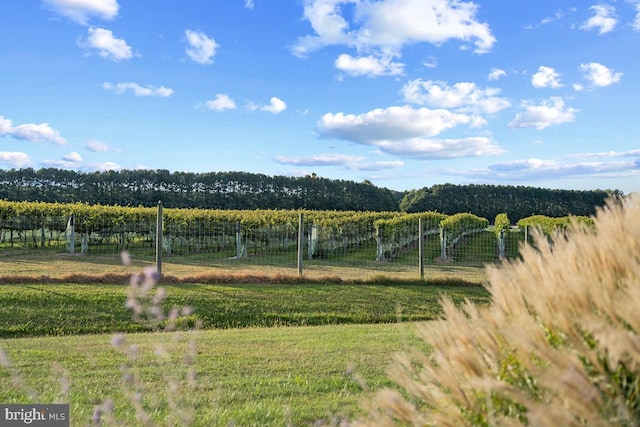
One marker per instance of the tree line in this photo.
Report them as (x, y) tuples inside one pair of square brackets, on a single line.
[(488, 201), (212, 190), (243, 190)]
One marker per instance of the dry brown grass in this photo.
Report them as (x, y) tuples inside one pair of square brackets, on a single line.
[(247, 277), (558, 346), (20, 266)]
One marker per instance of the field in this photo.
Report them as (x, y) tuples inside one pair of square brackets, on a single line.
[(262, 345), (248, 377), (267, 353)]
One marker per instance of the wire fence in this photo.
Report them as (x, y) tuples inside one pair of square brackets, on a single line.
[(54, 246)]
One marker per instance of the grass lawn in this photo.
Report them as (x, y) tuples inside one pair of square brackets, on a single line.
[(69, 309), (244, 377), (268, 354)]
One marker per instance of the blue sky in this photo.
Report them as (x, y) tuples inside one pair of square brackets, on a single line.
[(403, 93)]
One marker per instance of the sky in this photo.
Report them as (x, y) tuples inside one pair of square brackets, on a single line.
[(403, 93)]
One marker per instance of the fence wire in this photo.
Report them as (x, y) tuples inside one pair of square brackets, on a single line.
[(190, 248)]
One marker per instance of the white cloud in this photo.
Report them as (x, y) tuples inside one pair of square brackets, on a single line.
[(73, 156), (538, 170), (81, 11), (604, 19), (276, 105), (31, 132), (103, 166), (201, 49), (549, 19), (376, 166), (138, 90), (368, 66), (541, 169), (431, 62), (98, 146), (320, 160), (636, 21), (248, 4), (381, 29), (15, 159), (528, 164), (496, 74), (426, 148), (330, 28), (550, 112), (599, 75), (463, 96), (6, 126), (349, 162), (607, 154), (394, 23), (108, 46), (546, 77), (221, 102), (66, 163), (390, 123), (407, 132)]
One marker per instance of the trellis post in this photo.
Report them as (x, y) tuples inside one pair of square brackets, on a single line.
[(379, 248), (300, 242), (72, 234), (443, 244), (241, 250), (502, 245), (159, 239), (421, 248)]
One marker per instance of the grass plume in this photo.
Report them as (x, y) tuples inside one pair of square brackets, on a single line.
[(558, 345)]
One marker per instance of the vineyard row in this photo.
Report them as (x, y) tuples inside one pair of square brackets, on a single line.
[(39, 224)]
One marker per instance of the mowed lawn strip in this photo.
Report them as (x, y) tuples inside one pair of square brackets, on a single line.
[(244, 377), (71, 309)]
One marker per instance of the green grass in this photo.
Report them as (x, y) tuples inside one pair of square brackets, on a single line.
[(254, 368), (245, 377), (69, 309)]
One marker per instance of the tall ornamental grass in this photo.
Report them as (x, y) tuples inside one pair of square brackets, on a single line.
[(559, 344)]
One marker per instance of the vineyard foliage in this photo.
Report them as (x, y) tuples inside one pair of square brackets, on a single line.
[(549, 225), (461, 224), (501, 226), (199, 229), (93, 217), (455, 227), (246, 232), (400, 232), (501, 223)]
